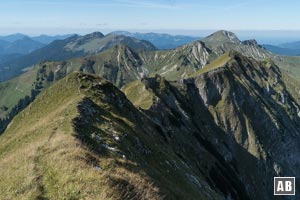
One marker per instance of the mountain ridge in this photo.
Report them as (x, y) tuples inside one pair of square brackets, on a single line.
[(205, 120), (112, 100), (74, 46), (24, 45), (183, 131), (176, 64), (161, 40)]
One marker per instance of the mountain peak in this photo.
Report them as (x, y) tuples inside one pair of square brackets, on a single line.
[(222, 36), (94, 35), (12, 37)]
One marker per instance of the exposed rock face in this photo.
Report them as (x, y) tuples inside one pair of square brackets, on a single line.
[(223, 134), (121, 66), (254, 117), (72, 47), (175, 136), (233, 116), (250, 42), (249, 49)]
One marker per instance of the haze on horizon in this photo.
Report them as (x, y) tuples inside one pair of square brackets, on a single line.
[(248, 18)]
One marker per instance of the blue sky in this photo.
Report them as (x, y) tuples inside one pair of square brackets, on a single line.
[(82, 16)]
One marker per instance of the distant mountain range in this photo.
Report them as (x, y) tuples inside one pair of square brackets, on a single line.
[(44, 39), (161, 41), (16, 45), (282, 50), (122, 59), (13, 37), (291, 45), (24, 45), (290, 49), (112, 117), (190, 54), (74, 46), (47, 39)]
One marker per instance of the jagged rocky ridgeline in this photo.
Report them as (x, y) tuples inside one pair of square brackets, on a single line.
[(214, 119), (130, 60), (223, 132)]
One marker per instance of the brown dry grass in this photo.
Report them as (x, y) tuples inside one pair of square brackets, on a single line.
[(40, 158)]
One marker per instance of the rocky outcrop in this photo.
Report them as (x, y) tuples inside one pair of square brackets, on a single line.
[(223, 134)]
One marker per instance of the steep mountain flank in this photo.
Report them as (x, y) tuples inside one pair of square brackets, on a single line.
[(53, 51), (252, 104), (223, 133), (260, 79), (127, 62), (95, 142), (224, 41), (58, 156), (122, 64), (16, 94), (119, 64), (180, 62), (249, 102), (173, 64), (74, 46), (221, 42)]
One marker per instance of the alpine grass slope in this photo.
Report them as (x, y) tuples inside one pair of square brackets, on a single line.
[(219, 125)]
